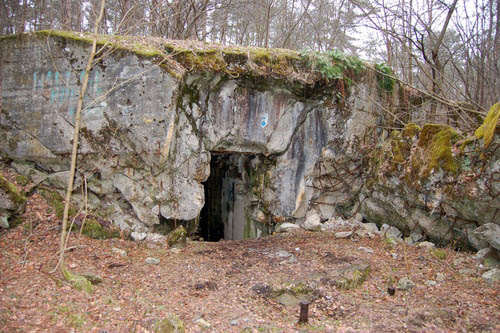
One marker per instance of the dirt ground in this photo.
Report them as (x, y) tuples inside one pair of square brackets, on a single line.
[(223, 283)]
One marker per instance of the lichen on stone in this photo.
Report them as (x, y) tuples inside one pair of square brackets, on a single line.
[(177, 238), (410, 130), (56, 201), (170, 324), (77, 281), (487, 129), (352, 277), (17, 198), (436, 141), (93, 229)]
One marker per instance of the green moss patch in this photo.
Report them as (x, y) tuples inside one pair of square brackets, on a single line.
[(170, 324), (56, 201), (177, 238), (436, 141), (439, 253), (96, 228), (487, 129), (14, 195), (78, 281), (331, 68), (352, 277), (410, 130)]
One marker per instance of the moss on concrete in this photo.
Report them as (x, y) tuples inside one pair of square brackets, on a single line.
[(93, 229), (487, 130), (436, 141), (56, 201), (14, 195), (304, 69)]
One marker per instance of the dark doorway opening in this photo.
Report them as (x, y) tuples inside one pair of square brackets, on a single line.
[(211, 222), (226, 202)]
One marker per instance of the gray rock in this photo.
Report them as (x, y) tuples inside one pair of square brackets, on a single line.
[(60, 180), (152, 261), (118, 251), (476, 242), (483, 253), (283, 254), (339, 222), (138, 236), (409, 241), (286, 227), (4, 222), (343, 234), (328, 227), (440, 277), (292, 260), (491, 261), (313, 221), (466, 271), (357, 219), (416, 235), (426, 245), (489, 234), (93, 278), (390, 231), (492, 275), (11, 202), (392, 241), (370, 227), (203, 323), (430, 283), (405, 284), (362, 233), (351, 276), (155, 238), (288, 299), (170, 324), (365, 249)]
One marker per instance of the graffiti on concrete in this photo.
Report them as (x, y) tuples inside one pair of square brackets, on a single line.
[(63, 89)]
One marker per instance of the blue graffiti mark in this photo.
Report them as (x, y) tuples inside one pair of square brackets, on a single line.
[(38, 82), (49, 76), (72, 112), (263, 120), (62, 89), (52, 95)]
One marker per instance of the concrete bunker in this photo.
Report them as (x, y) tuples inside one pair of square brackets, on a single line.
[(232, 210)]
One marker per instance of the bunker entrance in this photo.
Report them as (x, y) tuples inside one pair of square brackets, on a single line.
[(227, 202)]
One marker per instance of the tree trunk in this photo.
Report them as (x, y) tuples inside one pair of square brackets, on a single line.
[(74, 153)]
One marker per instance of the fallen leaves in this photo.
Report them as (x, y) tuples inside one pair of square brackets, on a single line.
[(214, 281)]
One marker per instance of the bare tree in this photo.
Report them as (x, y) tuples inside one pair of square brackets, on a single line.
[(74, 154)]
